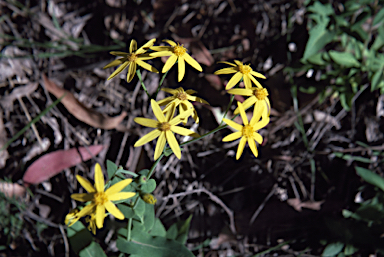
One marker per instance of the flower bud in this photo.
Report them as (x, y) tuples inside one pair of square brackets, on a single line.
[(149, 198)]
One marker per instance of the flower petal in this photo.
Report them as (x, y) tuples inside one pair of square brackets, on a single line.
[(99, 178), (259, 75), (258, 137), (184, 131), (240, 91), (247, 81), (171, 139), (234, 65), (179, 118), (234, 80), (268, 105), (238, 62), (148, 137), (121, 196), (160, 145), (192, 62), (86, 184), (145, 47), (118, 53), (170, 110), (240, 148), (257, 83), (157, 111), (161, 53), (83, 197), (146, 122), (181, 68), (169, 63), (233, 136), (257, 112), (118, 70), (147, 66), (190, 91), (116, 188), (100, 215), (88, 209), (252, 145), (170, 42), (233, 124), (131, 72), (132, 46), (112, 209), (226, 71), (247, 103), (165, 101), (242, 113), (170, 90), (114, 63)]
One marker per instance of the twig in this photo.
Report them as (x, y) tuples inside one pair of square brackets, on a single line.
[(66, 245), (257, 212)]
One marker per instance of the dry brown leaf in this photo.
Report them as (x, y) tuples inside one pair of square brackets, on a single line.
[(214, 81), (201, 53), (11, 189), (297, 204), (82, 113)]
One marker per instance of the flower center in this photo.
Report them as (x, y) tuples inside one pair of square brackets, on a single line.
[(182, 96), (100, 198), (132, 57), (164, 126), (179, 50), (260, 93), (248, 131), (245, 69)]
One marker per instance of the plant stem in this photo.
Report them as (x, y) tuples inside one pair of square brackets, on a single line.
[(150, 173), (159, 87), (129, 229), (142, 83), (226, 111)]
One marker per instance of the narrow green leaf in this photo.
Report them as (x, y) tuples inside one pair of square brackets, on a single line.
[(332, 249), (92, 250), (183, 230), (344, 58), (371, 177), (379, 17), (376, 79)]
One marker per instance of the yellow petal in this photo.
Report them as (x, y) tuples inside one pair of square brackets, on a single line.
[(112, 209), (170, 90), (233, 124), (88, 209), (233, 136), (170, 110), (169, 63), (247, 103), (147, 66), (252, 145), (161, 48), (226, 71), (234, 65), (118, 53), (100, 215), (258, 137), (161, 53), (179, 118), (114, 63), (257, 83), (181, 66), (264, 122), (190, 91), (148, 137), (242, 113), (247, 81), (132, 46), (240, 91), (131, 72), (121, 196), (157, 111), (118, 187), (173, 143), (184, 131), (170, 42), (99, 178), (198, 99), (146, 122), (192, 62), (234, 80), (160, 145), (257, 112), (165, 101), (268, 105), (83, 197), (146, 46), (240, 148), (118, 70), (259, 75), (86, 184), (238, 62)]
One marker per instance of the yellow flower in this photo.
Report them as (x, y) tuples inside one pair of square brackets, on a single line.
[(181, 98), (131, 59), (100, 199), (178, 53), (91, 219), (247, 132), (72, 217), (164, 128), (241, 71), (258, 96)]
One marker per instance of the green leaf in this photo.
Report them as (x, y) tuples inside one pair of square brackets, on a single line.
[(371, 177), (172, 232), (183, 230), (158, 229), (127, 210), (148, 246), (332, 249), (92, 250), (79, 237), (149, 217), (111, 169), (121, 171), (323, 9), (379, 17), (345, 102), (319, 36), (376, 79), (148, 187), (350, 249), (144, 172), (316, 59), (140, 208), (344, 58)]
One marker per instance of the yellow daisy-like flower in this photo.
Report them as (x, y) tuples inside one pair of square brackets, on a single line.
[(181, 98), (257, 96), (247, 132), (165, 126), (100, 199), (132, 59), (242, 71), (178, 53), (72, 217)]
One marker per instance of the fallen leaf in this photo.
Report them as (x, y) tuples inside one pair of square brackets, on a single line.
[(297, 204), (201, 53), (53, 163), (11, 189), (82, 113), (214, 80)]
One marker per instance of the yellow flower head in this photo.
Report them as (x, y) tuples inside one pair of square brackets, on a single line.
[(181, 98), (91, 219), (72, 217), (164, 128), (131, 59), (257, 96), (241, 71), (247, 132), (100, 199), (178, 53)]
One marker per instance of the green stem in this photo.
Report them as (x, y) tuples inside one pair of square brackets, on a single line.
[(159, 87), (129, 229), (150, 173), (226, 111), (142, 83)]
